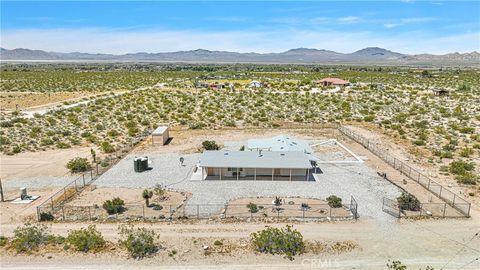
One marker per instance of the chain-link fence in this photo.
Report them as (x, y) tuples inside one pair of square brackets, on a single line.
[(302, 211), (409, 210), (441, 192), (55, 202)]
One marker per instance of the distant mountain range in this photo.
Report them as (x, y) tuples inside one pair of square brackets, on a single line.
[(371, 55)]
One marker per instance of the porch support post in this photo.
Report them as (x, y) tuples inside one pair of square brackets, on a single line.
[(273, 172), (308, 172), (290, 175), (255, 174), (238, 171), (220, 174), (202, 173)]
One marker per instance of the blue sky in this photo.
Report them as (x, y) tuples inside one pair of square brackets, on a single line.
[(122, 27)]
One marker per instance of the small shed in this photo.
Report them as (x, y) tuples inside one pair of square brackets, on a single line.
[(160, 134)]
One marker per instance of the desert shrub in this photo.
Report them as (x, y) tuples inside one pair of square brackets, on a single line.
[(218, 243), (86, 239), (461, 167), (29, 237), (334, 201), (3, 241), (157, 207), (139, 242), (407, 201), (106, 147), (466, 152), (78, 164), (286, 241), (114, 206), (467, 178), (46, 216), (210, 145), (396, 265), (252, 208)]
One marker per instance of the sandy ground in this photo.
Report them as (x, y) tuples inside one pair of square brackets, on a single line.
[(401, 151), (30, 100), (416, 244), (39, 164)]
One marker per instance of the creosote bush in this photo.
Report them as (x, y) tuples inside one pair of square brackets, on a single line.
[(139, 242), (85, 240), (334, 201), (285, 241), (210, 145), (114, 206), (29, 237), (78, 164)]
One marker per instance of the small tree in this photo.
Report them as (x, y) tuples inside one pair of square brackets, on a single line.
[(78, 164), (252, 208), (277, 201), (147, 195), (210, 145), (334, 201)]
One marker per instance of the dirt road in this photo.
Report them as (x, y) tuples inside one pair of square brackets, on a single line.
[(415, 243)]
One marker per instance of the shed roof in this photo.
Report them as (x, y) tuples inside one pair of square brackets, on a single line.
[(253, 159), (280, 143), (159, 130)]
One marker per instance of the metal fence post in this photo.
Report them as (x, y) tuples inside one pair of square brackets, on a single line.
[(89, 213), (143, 211), (330, 212), (38, 213), (83, 178), (444, 208), (440, 194), (303, 213), (51, 200), (63, 212)]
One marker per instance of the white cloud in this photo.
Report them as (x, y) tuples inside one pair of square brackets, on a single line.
[(391, 25), (349, 19), (417, 19), (98, 40)]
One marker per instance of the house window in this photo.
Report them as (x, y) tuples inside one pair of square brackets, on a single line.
[(234, 169)]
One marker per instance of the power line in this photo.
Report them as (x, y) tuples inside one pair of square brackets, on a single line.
[(458, 252)]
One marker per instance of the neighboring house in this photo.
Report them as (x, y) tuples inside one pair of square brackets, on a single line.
[(255, 165), (217, 86), (333, 82), (255, 84)]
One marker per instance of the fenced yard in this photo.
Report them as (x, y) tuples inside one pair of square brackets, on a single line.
[(451, 199), (204, 211), (68, 192)]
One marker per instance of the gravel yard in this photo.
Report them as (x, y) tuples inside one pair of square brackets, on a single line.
[(343, 180)]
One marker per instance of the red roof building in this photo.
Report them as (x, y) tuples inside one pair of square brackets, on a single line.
[(333, 81)]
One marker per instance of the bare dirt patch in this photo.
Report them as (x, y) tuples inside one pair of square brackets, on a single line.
[(290, 207), (35, 164), (27, 100)]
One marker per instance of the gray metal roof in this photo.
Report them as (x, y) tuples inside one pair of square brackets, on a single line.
[(253, 159), (160, 130), (280, 143)]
